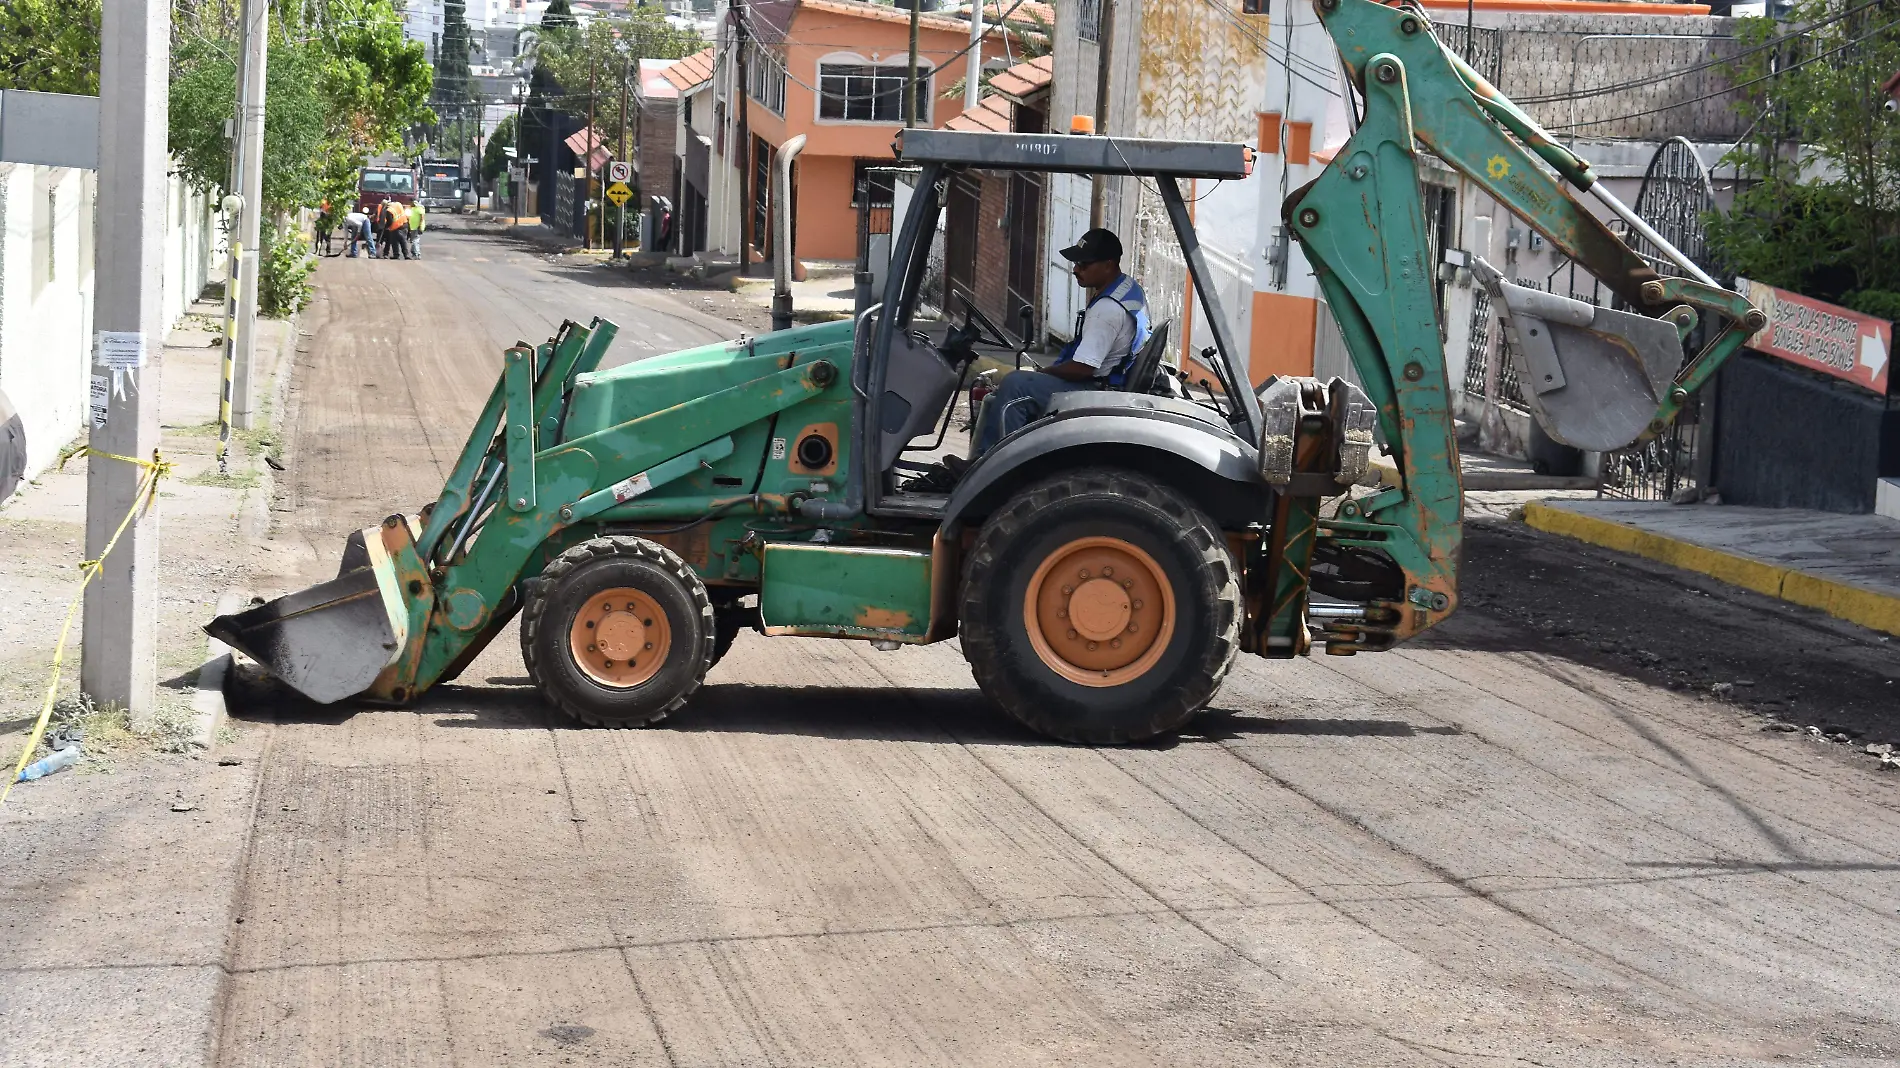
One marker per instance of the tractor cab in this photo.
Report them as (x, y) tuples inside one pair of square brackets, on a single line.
[(913, 365)]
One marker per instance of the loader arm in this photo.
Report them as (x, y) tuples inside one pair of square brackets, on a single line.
[(1363, 229)]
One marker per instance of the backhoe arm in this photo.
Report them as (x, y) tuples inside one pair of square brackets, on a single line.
[(1363, 228)]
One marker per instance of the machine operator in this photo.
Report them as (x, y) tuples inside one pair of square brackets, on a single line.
[(1113, 328)]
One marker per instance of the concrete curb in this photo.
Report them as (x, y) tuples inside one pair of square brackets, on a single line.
[(208, 709), (1878, 611)]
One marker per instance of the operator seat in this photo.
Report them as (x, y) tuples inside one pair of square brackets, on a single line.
[(1147, 362)]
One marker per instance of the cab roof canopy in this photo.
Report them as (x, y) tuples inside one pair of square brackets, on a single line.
[(1076, 154)]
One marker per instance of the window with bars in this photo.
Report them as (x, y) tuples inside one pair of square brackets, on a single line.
[(765, 78), (1088, 20), (862, 92)]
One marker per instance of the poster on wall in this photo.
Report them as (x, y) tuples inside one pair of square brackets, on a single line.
[(1821, 336)]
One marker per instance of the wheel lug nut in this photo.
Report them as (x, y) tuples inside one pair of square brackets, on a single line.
[(649, 645), (590, 624), (1131, 628), (1136, 606), (1108, 572), (591, 649), (609, 663), (1062, 614), (1068, 589), (1128, 584), (646, 622), (1073, 635), (1091, 647), (1114, 643), (1085, 572)]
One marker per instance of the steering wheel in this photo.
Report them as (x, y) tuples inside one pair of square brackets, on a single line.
[(978, 325)]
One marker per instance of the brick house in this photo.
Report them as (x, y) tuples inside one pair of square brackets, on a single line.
[(656, 106), (993, 237)]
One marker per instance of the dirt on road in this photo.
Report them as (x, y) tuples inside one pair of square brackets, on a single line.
[(1536, 837)]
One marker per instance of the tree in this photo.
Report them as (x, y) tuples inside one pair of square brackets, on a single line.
[(1822, 216), (495, 155), (602, 51), (559, 16), (50, 46), (453, 89), (342, 84), (203, 92)]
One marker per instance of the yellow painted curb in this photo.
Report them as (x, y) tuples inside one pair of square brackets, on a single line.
[(1880, 611)]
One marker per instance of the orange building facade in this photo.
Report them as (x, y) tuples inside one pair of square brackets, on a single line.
[(835, 71)]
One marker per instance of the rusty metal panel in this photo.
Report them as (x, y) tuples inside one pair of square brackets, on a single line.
[(846, 591)]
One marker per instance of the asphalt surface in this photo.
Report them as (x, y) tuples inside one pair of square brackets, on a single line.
[(1501, 845)]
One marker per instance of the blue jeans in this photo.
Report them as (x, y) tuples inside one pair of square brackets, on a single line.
[(1019, 400)]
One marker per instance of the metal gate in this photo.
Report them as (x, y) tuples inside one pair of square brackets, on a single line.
[(1676, 198)]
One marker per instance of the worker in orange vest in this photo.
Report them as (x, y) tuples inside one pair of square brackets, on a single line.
[(395, 237)]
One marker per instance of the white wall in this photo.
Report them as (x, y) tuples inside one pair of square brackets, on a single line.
[(46, 280)]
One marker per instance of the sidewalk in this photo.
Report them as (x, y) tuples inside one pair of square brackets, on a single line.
[(1845, 565), (116, 891)]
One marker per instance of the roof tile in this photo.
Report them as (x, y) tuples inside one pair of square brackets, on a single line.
[(693, 71)]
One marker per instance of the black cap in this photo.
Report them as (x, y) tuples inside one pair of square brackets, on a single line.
[(1096, 246)]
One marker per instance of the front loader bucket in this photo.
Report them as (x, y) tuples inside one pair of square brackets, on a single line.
[(1593, 377), (332, 640)]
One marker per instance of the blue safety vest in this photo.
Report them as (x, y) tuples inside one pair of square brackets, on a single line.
[(1126, 292)]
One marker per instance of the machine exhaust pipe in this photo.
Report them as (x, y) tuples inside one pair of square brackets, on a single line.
[(782, 233)]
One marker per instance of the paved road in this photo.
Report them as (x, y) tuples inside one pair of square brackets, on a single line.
[(1477, 851)]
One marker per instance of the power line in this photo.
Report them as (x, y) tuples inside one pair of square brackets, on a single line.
[(745, 16), (1770, 76), (1637, 83)]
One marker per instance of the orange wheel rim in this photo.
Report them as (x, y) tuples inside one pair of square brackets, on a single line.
[(1099, 611), (620, 637)]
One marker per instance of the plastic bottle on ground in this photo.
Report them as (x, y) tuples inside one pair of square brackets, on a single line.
[(64, 758)]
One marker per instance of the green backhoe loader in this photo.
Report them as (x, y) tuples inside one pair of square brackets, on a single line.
[(1104, 565)]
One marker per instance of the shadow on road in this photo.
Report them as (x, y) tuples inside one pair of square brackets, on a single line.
[(954, 717)]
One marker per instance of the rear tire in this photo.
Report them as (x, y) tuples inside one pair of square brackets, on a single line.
[(617, 632), (1100, 607)]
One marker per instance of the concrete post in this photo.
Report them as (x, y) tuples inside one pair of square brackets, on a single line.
[(119, 663), (250, 122), (973, 79)]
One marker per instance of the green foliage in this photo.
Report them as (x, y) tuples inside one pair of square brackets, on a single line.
[(1031, 44), (601, 53), (1879, 303), (50, 46), (342, 85), (1823, 214), (558, 16), (495, 156), (283, 273), (204, 86)]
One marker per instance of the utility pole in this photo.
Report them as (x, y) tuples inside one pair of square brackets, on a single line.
[(910, 83), (119, 658), (250, 122), (973, 80), (1105, 51), (593, 73), (620, 213)]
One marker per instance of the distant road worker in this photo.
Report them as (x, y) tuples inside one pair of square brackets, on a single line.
[(356, 229), (418, 222), (395, 221)]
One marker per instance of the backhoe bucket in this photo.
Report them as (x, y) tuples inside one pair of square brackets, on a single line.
[(332, 640), (1593, 377)]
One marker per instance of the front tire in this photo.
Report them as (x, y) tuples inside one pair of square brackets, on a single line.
[(1100, 607), (617, 632)]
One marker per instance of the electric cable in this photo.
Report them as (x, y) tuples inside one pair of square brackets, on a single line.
[(1637, 83), (1770, 76)]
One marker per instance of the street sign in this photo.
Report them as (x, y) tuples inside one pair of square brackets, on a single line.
[(619, 194), (1820, 336), (619, 171)]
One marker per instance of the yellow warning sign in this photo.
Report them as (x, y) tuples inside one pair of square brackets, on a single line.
[(619, 194)]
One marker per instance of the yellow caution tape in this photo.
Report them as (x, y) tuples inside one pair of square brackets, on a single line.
[(155, 468)]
